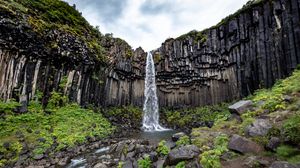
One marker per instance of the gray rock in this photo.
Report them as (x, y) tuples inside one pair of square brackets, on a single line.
[(63, 161), (181, 154), (288, 98), (178, 135), (100, 165), (241, 106), (38, 157), (259, 127), (273, 143), (243, 145), (282, 164)]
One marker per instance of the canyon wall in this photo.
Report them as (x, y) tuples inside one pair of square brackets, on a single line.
[(30, 69), (246, 51)]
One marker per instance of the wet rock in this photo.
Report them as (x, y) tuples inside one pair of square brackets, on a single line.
[(282, 164), (273, 143), (100, 165), (176, 136), (243, 145), (241, 106), (182, 153), (259, 127)]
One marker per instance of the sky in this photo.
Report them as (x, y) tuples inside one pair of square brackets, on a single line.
[(148, 23)]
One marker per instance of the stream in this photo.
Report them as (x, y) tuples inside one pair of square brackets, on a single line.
[(110, 155)]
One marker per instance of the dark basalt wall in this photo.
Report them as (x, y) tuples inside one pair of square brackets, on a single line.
[(250, 51), (28, 67), (247, 52)]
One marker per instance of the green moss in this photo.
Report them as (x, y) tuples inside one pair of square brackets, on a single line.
[(162, 148), (195, 35), (157, 57)]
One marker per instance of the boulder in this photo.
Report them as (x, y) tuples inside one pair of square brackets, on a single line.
[(243, 145), (273, 143), (282, 164), (241, 106), (100, 165), (182, 153), (259, 127), (177, 136)]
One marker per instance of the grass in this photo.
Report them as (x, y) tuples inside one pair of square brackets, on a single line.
[(186, 117), (66, 126)]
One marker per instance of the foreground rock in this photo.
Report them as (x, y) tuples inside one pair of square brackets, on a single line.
[(183, 153), (244, 145), (281, 164), (177, 136), (241, 106), (259, 127)]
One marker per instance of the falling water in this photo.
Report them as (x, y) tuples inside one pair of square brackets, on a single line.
[(151, 115)]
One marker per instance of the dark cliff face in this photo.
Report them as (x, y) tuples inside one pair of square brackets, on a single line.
[(248, 51), (34, 62)]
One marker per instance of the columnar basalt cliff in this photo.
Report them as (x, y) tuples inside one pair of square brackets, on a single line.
[(34, 63), (246, 51)]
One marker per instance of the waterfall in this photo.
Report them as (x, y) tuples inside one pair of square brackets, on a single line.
[(151, 114)]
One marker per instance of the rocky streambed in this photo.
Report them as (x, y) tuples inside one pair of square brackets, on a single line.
[(126, 151)]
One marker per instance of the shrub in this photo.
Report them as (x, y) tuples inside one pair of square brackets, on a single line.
[(291, 129), (57, 100), (144, 163), (162, 148), (211, 158), (289, 153), (184, 140), (180, 165)]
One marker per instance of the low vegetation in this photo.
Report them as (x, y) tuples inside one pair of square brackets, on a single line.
[(47, 131), (145, 162), (162, 148), (188, 117)]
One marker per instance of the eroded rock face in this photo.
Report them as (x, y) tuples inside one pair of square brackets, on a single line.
[(29, 66), (248, 52), (231, 60)]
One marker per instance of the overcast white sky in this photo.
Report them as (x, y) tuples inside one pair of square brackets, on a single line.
[(147, 23)]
